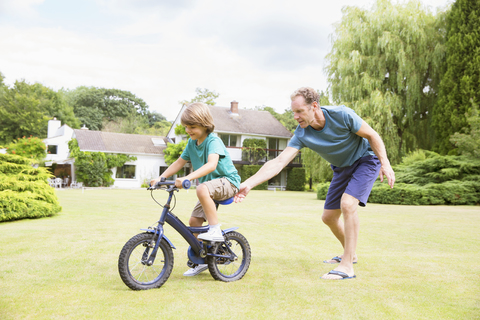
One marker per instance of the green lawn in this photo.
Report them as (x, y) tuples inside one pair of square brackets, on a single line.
[(414, 262)]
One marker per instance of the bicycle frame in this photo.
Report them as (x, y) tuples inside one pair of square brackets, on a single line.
[(199, 249)]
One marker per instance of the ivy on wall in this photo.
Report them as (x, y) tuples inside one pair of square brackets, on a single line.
[(94, 169)]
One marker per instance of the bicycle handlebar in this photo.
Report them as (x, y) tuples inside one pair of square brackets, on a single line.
[(186, 184)]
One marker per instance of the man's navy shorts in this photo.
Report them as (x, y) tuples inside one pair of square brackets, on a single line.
[(356, 180)]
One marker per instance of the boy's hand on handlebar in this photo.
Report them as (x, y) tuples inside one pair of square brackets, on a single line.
[(153, 182), (179, 181), (244, 189)]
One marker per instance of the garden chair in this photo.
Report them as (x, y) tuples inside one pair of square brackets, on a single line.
[(58, 182)]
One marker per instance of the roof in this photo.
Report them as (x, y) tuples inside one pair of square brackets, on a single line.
[(110, 142), (248, 122)]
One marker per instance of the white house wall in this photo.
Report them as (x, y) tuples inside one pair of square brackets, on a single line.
[(146, 168), (62, 145)]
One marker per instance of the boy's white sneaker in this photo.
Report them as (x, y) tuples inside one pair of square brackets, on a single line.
[(194, 271), (213, 235)]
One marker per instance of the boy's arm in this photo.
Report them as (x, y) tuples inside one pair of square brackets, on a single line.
[(171, 170), (208, 167), (267, 171)]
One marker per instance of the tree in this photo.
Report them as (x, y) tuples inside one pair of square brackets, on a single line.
[(26, 108), (461, 81), (203, 95), (173, 151), (384, 64), (468, 144), (94, 105), (317, 169)]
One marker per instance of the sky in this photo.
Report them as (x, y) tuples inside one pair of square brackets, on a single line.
[(254, 52)]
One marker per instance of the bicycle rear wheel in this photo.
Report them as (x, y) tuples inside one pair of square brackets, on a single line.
[(132, 266), (223, 268)]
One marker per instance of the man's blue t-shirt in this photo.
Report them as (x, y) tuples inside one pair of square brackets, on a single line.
[(198, 155), (337, 142)]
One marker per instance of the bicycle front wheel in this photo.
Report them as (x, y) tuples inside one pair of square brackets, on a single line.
[(224, 268), (132, 262)]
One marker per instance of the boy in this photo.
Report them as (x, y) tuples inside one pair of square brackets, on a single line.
[(212, 166)]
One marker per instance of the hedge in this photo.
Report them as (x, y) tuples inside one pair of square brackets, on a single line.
[(296, 179), (455, 192), (250, 170)]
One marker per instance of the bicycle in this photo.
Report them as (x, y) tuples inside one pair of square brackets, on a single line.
[(146, 260)]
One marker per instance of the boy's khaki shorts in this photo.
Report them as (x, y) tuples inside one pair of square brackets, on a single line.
[(219, 189)]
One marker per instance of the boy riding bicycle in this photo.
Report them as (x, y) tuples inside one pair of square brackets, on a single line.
[(212, 166)]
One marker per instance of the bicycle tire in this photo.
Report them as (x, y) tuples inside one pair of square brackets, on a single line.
[(131, 262), (223, 269)]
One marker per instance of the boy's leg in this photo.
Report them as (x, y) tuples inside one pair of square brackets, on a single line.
[(208, 205), (219, 189)]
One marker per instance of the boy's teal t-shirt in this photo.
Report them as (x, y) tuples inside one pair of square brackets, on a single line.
[(198, 155), (337, 142)]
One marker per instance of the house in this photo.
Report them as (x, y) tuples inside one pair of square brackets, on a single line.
[(147, 149), (57, 149), (234, 125)]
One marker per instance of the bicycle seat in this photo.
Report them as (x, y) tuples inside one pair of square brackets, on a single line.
[(225, 202)]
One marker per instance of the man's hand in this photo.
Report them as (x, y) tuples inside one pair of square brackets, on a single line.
[(244, 189), (386, 170)]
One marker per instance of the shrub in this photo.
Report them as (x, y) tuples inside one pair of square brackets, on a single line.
[(322, 189), (24, 190), (250, 170), (447, 193), (296, 179), (31, 147), (254, 150)]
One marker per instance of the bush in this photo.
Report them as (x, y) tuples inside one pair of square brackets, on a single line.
[(31, 147), (296, 179), (250, 170), (448, 193), (24, 190), (322, 189)]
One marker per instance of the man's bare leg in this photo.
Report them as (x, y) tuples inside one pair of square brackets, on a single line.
[(348, 237)]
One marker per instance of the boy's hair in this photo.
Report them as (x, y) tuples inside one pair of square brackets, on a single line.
[(198, 114), (309, 94)]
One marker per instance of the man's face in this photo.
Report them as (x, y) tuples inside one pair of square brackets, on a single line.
[(302, 112)]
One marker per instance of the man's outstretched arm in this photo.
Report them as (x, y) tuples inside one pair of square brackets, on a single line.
[(266, 172)]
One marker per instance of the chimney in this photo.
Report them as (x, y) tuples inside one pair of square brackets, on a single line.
[(234, 107), (53, 126), (84, 127)]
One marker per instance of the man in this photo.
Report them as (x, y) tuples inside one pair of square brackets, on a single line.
[(357, 155)]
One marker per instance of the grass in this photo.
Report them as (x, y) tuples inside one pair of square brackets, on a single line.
[(414, 262)]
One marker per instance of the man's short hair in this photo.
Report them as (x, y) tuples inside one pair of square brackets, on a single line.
[(309, 94), (198, 114)]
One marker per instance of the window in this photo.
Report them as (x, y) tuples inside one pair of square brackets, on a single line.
[(162, 170), (229, 140), (126, 172), (52, 149), (273, 146)]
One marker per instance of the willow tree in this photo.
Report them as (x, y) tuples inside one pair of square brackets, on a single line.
[(461, 81), (384, 64)]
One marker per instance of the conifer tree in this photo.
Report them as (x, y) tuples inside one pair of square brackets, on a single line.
[(461, 81)]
